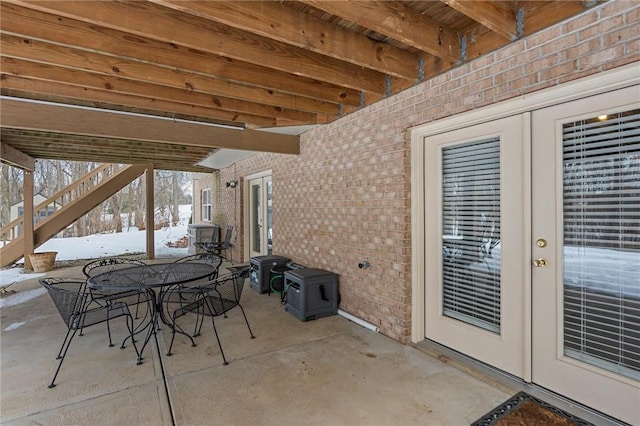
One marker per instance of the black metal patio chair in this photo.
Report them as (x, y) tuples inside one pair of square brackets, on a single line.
[(213, 299), (104, 297), (177, 294), (215, 240), (72, 299), (218, 248)]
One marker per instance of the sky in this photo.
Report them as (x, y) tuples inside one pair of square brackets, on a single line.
[(95, 246)]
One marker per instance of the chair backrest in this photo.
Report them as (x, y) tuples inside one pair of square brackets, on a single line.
[(227, 238), (215, 236), (208, 258), (224, 293), (69, 296), (102, 266)]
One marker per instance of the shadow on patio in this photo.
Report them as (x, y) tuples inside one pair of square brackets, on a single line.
[(325, 372)]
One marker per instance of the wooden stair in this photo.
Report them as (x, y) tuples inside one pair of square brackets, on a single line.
[(70, 204)]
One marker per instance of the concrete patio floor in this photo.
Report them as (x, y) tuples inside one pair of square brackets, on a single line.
[(330, 371)]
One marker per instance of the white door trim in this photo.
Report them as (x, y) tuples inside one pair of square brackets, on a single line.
[(603, 82), (246, 212)]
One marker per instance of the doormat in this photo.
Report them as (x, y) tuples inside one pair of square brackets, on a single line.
[(525, 410)]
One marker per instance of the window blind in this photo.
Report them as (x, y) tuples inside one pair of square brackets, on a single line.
[(601, 188), (471, 232)]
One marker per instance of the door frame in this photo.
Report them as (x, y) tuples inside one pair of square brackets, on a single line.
[(588, 86), (247, 211)]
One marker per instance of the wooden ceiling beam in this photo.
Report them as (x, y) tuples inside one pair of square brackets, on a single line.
[(41, 71), (148, 20), (47, 146), (34, 50), (276, 21), (43, 26), (14, 157), (136, 152), (68, 94), (487, 13), (398, 21), (21, 114)]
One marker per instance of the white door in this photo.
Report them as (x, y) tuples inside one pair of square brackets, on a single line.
[(260, 216), (586, 251), (475, 241)]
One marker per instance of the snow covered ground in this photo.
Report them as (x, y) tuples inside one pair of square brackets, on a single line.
[(99, 245)]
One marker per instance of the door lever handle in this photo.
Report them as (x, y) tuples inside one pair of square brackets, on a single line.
[(540, 262)]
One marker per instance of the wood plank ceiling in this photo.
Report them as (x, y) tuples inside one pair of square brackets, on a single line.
[(241, 63)]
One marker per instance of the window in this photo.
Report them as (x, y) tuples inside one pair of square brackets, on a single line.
[(206, 205), (471, 233), (601, 159)]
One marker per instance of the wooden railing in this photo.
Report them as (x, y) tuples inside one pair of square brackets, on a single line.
[(42, 212)]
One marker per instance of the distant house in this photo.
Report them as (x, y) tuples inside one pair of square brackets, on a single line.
[(17, 210)]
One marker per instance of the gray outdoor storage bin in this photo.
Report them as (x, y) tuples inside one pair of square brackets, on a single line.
[(260, 272), (311, 293)]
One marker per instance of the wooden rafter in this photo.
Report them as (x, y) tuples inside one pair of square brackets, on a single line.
[(41, 71), (56, 91), (398, 21), (37, 25), (276, 21), (497, 19), (148, 20)]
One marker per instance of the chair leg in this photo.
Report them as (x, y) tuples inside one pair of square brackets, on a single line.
[(199, 317), (218, 339), (137, 329), (247, 321), (62, 354), (175, 327), (137, 305), (133, 341), (64, 342), (109, 329), (173, 337)]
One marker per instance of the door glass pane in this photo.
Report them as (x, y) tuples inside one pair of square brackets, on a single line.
[(255, 218), (601, 188), (471, 233)]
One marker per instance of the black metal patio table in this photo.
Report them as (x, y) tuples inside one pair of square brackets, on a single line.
[(150, 278)]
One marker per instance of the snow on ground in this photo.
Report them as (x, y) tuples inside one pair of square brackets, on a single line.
[(99, 245)]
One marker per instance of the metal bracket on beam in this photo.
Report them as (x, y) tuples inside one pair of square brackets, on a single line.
[(362, 104), (387, 88), (340, 110), (463, 49), (519, 22), (420, 69)]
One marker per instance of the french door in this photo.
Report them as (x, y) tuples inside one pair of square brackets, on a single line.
[(532, 247), (586, 251), (260, 215), (474, 229)]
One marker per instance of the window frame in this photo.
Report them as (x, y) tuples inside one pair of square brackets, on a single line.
[(205, 200)]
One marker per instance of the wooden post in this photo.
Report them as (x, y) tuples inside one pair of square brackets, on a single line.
[(27, 229), (151, 254)]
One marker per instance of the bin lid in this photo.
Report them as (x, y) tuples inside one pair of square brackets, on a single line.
[(200, 225), (309, 272), (270, 258)]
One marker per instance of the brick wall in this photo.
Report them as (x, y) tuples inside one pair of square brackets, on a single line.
[(346, 197)]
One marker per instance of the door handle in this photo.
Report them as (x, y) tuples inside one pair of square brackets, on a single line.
[(540, 262)]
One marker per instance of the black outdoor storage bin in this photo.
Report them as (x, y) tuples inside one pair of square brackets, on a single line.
[(310, 293), (260, 272)]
